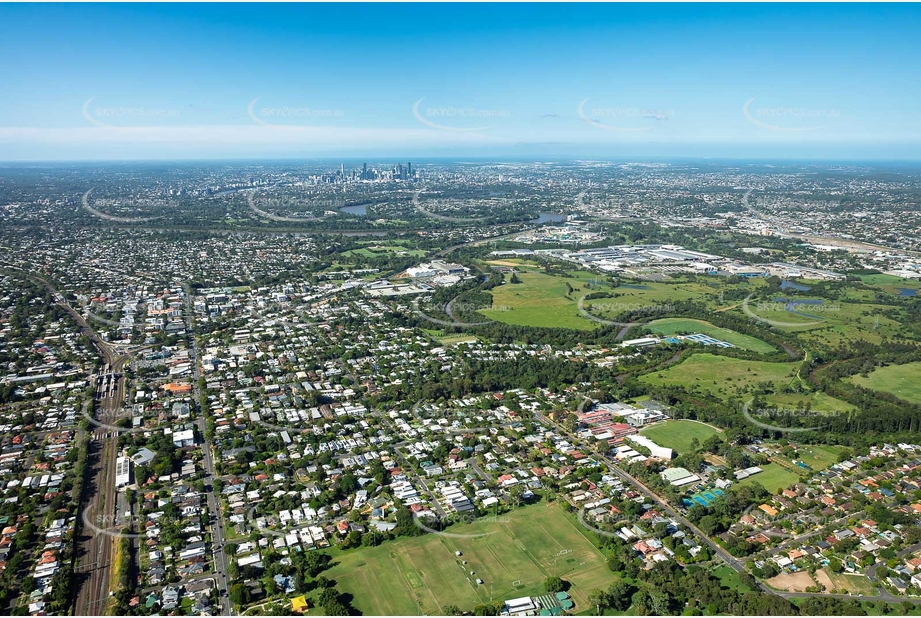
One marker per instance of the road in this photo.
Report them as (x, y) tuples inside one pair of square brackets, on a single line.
[(214, 505), (722, 554)]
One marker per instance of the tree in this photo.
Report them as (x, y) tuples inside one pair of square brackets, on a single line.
[(335, 608), (619, 594), (323, 582), (598, 599), (28, 585), (553, 584), (327, 596), (451, 610), (239, 594)]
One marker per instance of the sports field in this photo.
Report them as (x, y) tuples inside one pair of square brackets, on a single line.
[(721, 375), (677, 434), (818, 457), (773, 477), (900, 380), (540, 300), (674, 326), (414, 576)]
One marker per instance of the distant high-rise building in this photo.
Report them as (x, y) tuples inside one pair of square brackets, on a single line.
[(409, 169)]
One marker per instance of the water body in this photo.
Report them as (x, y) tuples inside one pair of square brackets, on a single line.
[(549, 216), (360, 210), (907, 292), (790, 285), (794, 301)]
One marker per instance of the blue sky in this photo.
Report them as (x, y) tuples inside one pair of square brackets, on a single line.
[(247, 81)]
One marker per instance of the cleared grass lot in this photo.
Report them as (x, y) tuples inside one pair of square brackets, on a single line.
[(900, 380), (415, 576), (722, 375), (540, 300), (819, 402)]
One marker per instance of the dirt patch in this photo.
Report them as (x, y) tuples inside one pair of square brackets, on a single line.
[(791, 582), (824, 579)]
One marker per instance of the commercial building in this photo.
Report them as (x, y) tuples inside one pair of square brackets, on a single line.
[(122, 472)]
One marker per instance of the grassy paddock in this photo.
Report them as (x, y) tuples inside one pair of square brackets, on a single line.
[(899, 380), (414, 576), (722, 375), (541, 300)]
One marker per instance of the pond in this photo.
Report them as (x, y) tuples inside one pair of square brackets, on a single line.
[(360, 210), (790, 285)]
